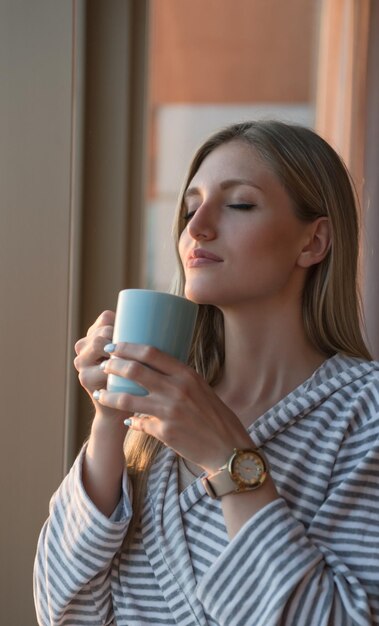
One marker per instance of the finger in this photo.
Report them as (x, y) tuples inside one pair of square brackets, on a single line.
[(149, 424), (106, 318), (125, 402), (92, 354), (139, 422), (102, 331), (90, 350), (92, 378), (150, 379), (149, 355)]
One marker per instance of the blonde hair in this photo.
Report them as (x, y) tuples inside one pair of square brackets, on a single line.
[(319, 184)]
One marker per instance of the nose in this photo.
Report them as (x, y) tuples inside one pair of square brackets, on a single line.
[(203, 225)]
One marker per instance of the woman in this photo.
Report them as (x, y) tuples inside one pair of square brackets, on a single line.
[(253, 470)]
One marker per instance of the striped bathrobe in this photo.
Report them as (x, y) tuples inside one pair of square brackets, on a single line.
[(311, 558)]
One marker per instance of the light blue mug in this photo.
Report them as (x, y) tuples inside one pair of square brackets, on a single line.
[(157, 319)]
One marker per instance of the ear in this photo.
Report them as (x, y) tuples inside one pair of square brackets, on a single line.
[(318, 243)]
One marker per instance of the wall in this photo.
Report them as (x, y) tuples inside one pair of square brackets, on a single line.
[(230, 51), (72, 81), (38, 235)]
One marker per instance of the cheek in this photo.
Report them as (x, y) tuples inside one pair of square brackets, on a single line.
[(267, 256), (269, 243), (183, 247)]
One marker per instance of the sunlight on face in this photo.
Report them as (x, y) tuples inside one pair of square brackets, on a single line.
[(242, 238)]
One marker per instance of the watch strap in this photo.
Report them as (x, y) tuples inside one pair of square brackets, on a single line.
[(220, 483)]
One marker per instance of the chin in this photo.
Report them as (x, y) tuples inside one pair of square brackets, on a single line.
[(199, 296), (202, 295)]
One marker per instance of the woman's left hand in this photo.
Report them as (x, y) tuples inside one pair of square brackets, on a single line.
[(181, 410)]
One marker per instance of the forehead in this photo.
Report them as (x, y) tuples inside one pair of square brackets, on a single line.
[(232, 160)]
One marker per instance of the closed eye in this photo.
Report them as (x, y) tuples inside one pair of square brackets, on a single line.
[(188, 215), (241, 206)]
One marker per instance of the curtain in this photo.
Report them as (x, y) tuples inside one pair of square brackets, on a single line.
[(347, 111)]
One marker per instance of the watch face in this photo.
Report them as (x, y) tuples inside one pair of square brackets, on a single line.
[(248, 468)]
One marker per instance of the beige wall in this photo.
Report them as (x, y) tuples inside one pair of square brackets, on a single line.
[(72, 81), (37, 232)]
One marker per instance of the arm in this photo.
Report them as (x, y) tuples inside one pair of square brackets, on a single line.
[(104, 463), (104, 459), (276, 572), (174, 412), (238, 508), (79, 540), (74, 556)]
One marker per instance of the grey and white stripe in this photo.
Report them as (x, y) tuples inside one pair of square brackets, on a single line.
[(311, 557)]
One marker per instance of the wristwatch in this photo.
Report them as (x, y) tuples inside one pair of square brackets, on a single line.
[(245, 470)]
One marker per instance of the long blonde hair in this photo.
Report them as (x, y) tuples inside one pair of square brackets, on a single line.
[(319, 184)]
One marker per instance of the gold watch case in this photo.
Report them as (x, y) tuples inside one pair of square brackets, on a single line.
[(247, 468)]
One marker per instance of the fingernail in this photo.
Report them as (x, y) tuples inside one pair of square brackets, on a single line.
[(128, 422), (102, 365), (96, 394), (110, 347)]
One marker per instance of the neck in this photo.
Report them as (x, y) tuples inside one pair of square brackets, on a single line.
[(267, 355)]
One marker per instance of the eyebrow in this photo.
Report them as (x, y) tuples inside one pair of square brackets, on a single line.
[(226, 184)]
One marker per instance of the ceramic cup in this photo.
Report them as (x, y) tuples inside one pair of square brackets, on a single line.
[(153, 318)]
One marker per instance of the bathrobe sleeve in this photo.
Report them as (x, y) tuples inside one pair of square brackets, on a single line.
[(75, 551)]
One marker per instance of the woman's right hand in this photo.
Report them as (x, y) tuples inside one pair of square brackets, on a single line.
[(90, 354), (104, 459)]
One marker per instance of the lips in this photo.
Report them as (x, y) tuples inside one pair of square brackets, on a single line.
[(199, 256)]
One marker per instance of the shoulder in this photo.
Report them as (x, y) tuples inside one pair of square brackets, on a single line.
[(364, 384), (348, 374), (361, 394), (349, 387)]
